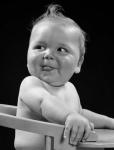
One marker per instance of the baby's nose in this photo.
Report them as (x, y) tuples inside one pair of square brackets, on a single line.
[(48, 55)]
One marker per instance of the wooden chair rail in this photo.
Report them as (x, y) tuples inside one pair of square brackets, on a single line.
[(102, 139)]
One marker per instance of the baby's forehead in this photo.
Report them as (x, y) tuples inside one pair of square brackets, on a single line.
[(61, 27)]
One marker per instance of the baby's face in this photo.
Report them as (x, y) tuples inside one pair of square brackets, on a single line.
[(53, 53)]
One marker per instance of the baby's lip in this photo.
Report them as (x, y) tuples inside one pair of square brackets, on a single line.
[(47, 68)]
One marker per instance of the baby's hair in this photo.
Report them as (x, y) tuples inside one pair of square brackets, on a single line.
[(54, 13)]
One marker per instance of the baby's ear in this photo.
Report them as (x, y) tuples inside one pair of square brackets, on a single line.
[(78, 67), (77, 70)]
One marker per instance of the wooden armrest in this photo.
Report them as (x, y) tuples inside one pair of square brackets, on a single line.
[(8, 119), (8, 109), (102, 138)]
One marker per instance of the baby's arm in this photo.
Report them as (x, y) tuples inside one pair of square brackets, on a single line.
[(28, 107), (39, 101), (99, 121)]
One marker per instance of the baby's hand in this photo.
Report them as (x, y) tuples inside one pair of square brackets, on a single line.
[(77, 128)]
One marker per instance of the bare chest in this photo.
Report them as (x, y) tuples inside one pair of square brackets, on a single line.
[(64, 100)]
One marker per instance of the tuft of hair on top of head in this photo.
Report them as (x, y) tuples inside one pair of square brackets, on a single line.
[(52, 11)]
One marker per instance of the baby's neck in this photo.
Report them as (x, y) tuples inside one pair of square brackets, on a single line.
[(53, 88)]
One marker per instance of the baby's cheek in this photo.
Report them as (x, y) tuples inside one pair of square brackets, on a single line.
[(33, 63), (68, 67)]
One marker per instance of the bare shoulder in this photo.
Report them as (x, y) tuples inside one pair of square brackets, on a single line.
[(74, 96), (30, 81), (71, 87), (31, 93)]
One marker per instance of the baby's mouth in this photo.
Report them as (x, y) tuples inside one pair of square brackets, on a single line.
[(47, 68)]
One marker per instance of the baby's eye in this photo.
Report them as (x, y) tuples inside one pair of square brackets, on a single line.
[(39, 47), (62, 50)]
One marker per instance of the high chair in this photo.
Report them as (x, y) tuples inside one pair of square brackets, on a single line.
[(101, 139)]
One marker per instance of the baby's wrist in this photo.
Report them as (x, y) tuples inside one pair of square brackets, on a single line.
[(69, 114)]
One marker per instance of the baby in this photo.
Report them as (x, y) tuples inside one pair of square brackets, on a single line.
[(56, 51)]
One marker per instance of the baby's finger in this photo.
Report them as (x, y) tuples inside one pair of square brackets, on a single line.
[(92, 126), (79, 135), (87, 133), (73, 136), (67, 130)]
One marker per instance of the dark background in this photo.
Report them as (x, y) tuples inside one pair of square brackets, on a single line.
[(94, 83)]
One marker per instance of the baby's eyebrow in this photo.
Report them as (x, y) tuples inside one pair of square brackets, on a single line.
[(62, 44), (65, 45), (41, 42)]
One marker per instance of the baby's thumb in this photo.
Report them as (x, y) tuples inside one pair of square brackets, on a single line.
[(66, 131)]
